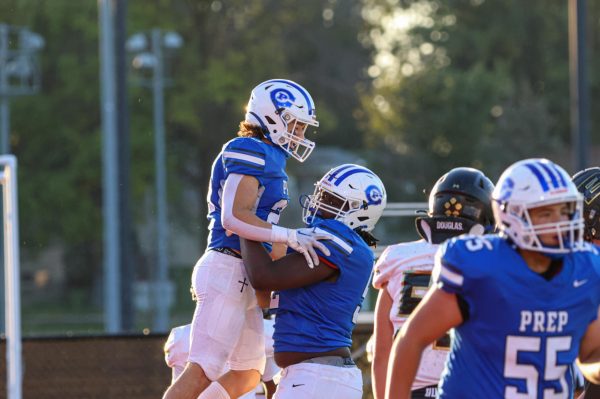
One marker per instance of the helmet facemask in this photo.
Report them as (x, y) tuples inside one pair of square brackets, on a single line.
[(292, 140), (350, 194), (528, 236), (327, 204)]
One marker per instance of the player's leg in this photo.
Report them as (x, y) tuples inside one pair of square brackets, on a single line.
[(315, 381), (216, 325), (191, 381), (247, 361)]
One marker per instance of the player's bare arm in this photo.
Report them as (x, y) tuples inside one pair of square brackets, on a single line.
[(589, 352), (383, 331), (437, 313), (288, 272)]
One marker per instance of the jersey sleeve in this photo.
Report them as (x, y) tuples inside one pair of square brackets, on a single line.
[(338, 247), (383, 268), (244, 156), (596, 267), (448, 272)]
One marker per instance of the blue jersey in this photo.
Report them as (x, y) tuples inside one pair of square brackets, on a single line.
[(523, 331), (320, 317), (250, 157)]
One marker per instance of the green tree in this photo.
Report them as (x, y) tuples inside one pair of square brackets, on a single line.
[(229, 47), (466, 83)]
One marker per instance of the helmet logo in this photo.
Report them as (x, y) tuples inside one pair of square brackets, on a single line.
[(282, 98), (453, 207), (374, 195), (506, 189)]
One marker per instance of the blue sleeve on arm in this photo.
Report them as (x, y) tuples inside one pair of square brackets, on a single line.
[(244, 156), (448, 274)]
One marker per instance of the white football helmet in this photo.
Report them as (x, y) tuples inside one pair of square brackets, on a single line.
[(532, 183), (277, 106), (351, 193)]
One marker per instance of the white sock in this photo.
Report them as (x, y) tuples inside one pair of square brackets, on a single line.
[(214, 391)]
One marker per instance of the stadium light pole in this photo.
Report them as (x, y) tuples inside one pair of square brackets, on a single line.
[(110, 178), (19, 71), (579, 89), (19, 76), (148, 50)]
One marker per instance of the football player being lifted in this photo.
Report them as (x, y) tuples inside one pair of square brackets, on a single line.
[(460, 202), (247, 193)]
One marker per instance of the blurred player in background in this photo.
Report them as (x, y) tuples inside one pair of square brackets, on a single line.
[(177, 351), (317, 308), (523, 304), (588, 183), (247, 193), (460, 202)]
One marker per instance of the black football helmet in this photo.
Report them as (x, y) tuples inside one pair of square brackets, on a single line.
[(459, 202), (588, 183)]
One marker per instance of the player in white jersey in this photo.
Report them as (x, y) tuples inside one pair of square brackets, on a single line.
[(248, 192), (177, 351), (458, 203), (588, 183)]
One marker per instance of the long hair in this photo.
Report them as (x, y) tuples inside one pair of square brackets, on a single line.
[(248, 129)]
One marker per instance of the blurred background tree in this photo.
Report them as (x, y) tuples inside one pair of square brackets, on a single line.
[(472, 83), (414, 88)]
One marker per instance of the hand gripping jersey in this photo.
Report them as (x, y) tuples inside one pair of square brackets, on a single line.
[(406, 269), (250, 157), (523, 331), (320, 317)]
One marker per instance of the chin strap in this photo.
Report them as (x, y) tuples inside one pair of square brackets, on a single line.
[(437, 229), (367, 237)]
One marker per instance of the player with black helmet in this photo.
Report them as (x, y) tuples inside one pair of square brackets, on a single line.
[(459, 203), (588, 183)]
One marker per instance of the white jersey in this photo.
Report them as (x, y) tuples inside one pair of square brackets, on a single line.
[(405, 272)]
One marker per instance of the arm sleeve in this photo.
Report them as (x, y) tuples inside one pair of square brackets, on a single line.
[(241, 228)]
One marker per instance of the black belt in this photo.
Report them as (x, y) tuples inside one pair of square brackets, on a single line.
[(424, 393), (227, 251)]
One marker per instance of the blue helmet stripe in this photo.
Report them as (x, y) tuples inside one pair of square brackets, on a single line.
[(538, 174), (563, 182), (334, 174), (262, 124), (350, 173), (550, 173), (301, 90)]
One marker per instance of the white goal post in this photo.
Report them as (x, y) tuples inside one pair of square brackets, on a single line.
[(12, 296)]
